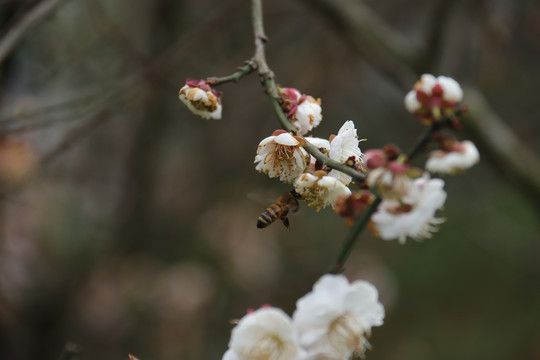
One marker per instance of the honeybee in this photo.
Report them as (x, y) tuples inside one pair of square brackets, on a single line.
[(286, 203)]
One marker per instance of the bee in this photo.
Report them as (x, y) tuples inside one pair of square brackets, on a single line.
[(286, 203)]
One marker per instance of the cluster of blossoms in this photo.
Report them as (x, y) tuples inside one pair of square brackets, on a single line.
[(332, 322), (410, 198), (283, 155)]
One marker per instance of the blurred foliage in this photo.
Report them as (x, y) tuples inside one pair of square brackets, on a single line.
[(135, 233)]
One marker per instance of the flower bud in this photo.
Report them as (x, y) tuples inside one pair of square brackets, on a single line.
[(305, 112), (453, 157), (201, 99), (432, 98)]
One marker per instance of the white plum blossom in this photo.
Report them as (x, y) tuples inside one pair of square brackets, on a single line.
[(201, 99), (304, 111), (308, 115), (431, 96), (344, 146), (345, 143), (413, 215), (282, 155), (264, 334), (333, 320), (462, 156), (320, 190)]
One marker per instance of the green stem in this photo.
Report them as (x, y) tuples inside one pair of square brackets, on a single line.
[(424, 139), (234, 77), (359, 225)]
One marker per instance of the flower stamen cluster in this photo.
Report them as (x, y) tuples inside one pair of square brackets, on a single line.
[(282, 155), (320, 189)]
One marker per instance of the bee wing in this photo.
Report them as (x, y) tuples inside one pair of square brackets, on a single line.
[(264, 197)]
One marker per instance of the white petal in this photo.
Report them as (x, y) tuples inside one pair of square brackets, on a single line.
[(286, 139), (411, 102), (452, 90), (318, 142), (427, 82)]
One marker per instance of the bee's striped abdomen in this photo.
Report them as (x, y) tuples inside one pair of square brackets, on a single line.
[(269, 215)]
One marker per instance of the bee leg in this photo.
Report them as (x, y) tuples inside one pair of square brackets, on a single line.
[(286, 223)]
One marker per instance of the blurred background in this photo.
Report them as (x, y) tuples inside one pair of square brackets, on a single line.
[(125, 221)]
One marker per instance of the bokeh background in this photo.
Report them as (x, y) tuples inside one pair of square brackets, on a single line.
[(128, 224)]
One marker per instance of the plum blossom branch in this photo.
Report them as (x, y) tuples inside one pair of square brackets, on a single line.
[(269, 84), (426, 137), (359, 225)]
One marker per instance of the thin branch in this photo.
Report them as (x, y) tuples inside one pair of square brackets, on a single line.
[(33, 17), (269, 84), (234, 77), (426, 137), (359, 225)]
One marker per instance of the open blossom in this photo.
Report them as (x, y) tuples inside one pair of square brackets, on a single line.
[(344, 147), (282, 155), (413, 215), (461, 156), (320, 189), (305, 112), (433, 96), (333, 320), (201, 99), (264, 334)]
